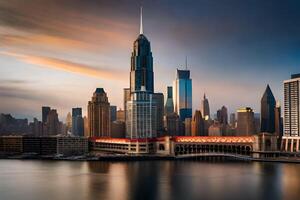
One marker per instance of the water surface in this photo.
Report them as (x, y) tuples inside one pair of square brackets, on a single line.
[(55, 180)]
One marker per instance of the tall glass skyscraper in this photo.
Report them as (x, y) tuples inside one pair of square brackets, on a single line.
[(141, 64), (182, 94), (267, 111), (144, 110)]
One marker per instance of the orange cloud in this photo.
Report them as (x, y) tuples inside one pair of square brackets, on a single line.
[(64, 65)]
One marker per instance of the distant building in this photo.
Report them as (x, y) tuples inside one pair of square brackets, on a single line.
[(69, 122), (216, 129), (86, 127), (205, 108), (52, 123), (118, 129), (99, 114), (172, 124), (10, 125), (127, 97), (222, 115), (121, 115), (77, 122), (188, 126), (159, 99), (36, 127), (267, 114), (182, 94), (232, 120), (245, 122), (169, 106), (113, 113), (198, 124), (278, 121), (45, 112)]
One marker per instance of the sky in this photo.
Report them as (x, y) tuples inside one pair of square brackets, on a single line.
[(57, 52)]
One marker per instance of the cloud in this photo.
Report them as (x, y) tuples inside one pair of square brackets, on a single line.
[(67, 66)]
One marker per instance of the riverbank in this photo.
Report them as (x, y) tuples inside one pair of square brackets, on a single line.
[(122, 157)]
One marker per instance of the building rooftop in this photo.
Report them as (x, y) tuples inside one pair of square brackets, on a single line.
[(99, 90), (295, 76), (183, 74)]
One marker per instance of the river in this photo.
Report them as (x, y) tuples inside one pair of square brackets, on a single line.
[(55, 180)]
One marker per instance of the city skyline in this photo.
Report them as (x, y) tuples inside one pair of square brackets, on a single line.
[(90, 61)]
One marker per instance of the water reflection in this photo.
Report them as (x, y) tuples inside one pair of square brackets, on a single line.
[(148, 180)]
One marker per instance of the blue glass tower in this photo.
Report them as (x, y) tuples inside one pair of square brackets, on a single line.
[(182, 94)]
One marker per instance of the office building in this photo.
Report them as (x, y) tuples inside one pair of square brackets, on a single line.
[(99, 114), (182, 94), (169, 106), (222, 115), (205, 108), (69, 122), (77, 122), (141, 73), (36, 127), (245, 122), (113, 113), (141, 115), (45, 112), (292, 106), (278, 120), (121, 115), (86, 127), (267, 113), (52, 123), (118, 129), (188, 127), (232, 120), (141, 119), (198, 124), (172, 124), (159, 99)]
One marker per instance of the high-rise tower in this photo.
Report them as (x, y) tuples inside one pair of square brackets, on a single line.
[(141, 73), (169, 106), (267, 113), (182, 94), (144, 110), (99, 114), (292, 106), (205, 108)]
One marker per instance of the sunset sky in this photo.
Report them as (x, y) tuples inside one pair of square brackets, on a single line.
[(56, 52)]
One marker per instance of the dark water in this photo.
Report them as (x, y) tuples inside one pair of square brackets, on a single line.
[(43, 180)]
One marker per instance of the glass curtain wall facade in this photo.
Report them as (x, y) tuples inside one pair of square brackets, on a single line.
[(182, 94), (141, 116)]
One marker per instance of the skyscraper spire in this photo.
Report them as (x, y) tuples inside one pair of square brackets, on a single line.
[(141, 21), (186, 63)]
